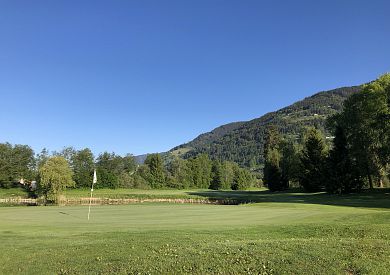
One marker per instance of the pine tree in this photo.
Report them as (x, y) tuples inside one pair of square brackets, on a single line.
[(242, 180), (201, 171), (156, 168), (272, 172), (313, 159), (216, 176)]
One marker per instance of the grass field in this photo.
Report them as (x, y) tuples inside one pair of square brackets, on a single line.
[(132, 193), (12, 192), (283, 233)]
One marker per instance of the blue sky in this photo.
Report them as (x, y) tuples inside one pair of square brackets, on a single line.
[(144, 76)]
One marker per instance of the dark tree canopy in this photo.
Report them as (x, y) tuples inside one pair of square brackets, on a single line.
[(365, 121), (83, 164), (16, 162), (156, 169), (272, 172), (313, 159)]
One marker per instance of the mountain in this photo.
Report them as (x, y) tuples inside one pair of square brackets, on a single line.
[(140, 159), (242, 142)]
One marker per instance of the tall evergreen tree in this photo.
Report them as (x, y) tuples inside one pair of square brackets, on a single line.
[(156, 167), (272, 172), (201, 171), (242, 180), (313, 159), (216, 175)]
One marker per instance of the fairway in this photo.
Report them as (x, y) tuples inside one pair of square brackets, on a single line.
[(267, 238)]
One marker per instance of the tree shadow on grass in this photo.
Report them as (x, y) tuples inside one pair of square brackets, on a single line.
[(378, 198)]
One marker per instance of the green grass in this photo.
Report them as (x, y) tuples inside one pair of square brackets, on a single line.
[(284, 233), (134, 193), (12, 193)]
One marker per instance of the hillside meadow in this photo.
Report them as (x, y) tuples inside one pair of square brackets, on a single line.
[(280, 233)]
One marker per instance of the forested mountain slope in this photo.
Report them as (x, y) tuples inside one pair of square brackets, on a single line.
[(242, 142)]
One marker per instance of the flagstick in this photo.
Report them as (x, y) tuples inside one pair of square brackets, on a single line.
[(90, 199), (90, 202)]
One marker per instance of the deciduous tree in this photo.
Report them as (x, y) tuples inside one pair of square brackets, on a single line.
[(55, 177), (16, 162), (83, 166)]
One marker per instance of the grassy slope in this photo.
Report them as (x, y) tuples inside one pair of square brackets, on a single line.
[(289, 235), (112, 193), (133, 193), (12, 193)]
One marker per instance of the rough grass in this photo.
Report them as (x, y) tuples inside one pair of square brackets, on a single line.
[(123, 193), (12, 193), (285, 233)]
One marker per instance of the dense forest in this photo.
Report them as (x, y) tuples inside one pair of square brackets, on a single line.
[(358, 156), (243, 142)]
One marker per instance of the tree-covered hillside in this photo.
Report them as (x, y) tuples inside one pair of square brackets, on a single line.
[(242, 142)]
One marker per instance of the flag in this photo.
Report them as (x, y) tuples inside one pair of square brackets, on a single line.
[(94, 177), (90, 199)]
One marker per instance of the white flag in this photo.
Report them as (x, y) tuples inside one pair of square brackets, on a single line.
[(94, 176), (90, 199)]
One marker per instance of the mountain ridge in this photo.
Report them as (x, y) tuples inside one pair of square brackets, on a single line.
[(242, 141)]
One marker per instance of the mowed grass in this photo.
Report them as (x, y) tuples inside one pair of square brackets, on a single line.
[(284, 233)]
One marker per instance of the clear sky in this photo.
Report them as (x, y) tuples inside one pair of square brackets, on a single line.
[(144, 76)]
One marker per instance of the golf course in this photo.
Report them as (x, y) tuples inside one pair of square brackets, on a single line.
[(194, 137), (277, 233)]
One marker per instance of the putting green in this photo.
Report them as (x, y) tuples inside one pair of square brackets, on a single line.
[(183, 238)]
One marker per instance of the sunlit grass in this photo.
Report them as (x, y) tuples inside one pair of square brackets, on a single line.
[(281, 235)]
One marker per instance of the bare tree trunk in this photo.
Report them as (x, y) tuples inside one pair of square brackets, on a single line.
[(370, 181)]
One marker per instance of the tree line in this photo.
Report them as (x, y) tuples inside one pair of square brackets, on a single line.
[(196, 172), (52, 172), (357, 157)]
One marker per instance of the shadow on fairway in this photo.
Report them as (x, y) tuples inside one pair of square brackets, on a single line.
[(378, 198)]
